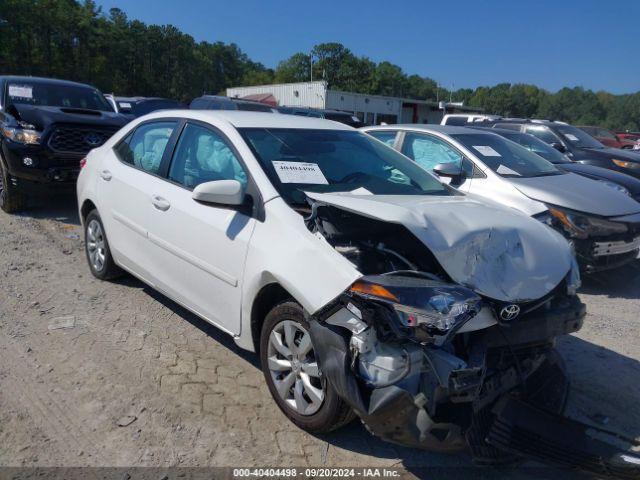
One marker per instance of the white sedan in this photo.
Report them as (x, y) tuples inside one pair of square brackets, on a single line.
[(366, 285)]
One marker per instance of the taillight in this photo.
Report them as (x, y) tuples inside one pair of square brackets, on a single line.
[(83, 162)]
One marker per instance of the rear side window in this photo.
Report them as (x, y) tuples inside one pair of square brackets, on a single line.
[(543, 133), (253, 107), (508, 126), (202, 155), (385, 137), (145, 147), (456, 121)]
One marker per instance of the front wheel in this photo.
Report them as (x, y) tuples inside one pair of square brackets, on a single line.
[(12, 200), (291, 370), (97, 249)]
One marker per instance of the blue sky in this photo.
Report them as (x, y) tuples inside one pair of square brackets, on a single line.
[(589, 43)]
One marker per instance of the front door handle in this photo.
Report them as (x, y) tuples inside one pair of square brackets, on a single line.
[(106, 175), (160, 203)]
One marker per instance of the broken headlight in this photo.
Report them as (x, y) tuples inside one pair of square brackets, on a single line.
[(421, 302), (579, 225)]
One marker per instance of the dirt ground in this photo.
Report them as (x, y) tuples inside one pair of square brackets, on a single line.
[(114, 374)]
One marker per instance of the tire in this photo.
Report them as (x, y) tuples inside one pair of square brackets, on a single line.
[(12, 200), (322, 416), (97, 249)]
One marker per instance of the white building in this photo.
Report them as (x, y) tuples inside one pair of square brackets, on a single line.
[(371, 109)]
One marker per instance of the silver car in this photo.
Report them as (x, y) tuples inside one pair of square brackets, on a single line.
[(601, 222)]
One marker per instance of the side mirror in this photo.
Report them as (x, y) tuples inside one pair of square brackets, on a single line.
[(451, 170), (220, 192), (558, 146)]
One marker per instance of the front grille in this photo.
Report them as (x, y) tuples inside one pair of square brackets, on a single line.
[(78, 139)]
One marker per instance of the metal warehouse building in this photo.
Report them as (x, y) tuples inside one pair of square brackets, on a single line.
[(371, 109)]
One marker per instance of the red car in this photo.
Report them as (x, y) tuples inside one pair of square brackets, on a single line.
[(609, 138), (629, 136)]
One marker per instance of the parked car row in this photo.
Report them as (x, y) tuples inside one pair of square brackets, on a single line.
[(419, 285), (600, 218), (49, 125)]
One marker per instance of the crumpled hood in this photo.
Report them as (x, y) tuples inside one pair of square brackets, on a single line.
[(41, 117), (577, 193), (498, 252)]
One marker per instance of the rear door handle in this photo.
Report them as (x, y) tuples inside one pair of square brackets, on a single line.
[(160, 203), (105, 175)]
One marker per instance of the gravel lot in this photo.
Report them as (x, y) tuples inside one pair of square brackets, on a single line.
[(114, 374)]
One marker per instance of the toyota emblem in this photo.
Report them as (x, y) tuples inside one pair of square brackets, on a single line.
[(509, 312), (93, 139)]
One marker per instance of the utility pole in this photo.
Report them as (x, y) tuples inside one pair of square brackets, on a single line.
[(311, 65), (451, 92)]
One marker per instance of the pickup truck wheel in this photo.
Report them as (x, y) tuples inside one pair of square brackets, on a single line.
[(292, 374), (96, 245), (11, 199)]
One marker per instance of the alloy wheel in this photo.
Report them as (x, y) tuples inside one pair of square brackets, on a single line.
[(96, 245), (294, 369)]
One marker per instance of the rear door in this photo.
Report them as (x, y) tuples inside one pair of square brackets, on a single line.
[(129, 176), (202, 247)]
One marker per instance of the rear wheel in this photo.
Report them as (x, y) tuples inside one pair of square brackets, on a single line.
[(291, 370), (11, 199), (97, 249)]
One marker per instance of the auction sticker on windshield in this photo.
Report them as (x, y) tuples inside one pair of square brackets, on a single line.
[(486, 151), (299, 172), (20, 91), (572, 137)]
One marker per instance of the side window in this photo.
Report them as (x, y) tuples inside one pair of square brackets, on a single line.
[(543, 133), (384, 136), (429, 151), (508, 126), (203, 156), (145, 147)]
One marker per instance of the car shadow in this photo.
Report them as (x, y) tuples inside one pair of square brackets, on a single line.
[(596, 396), (622, 282), (60, 207)]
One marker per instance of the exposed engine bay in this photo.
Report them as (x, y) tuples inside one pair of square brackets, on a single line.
[(429, 363)]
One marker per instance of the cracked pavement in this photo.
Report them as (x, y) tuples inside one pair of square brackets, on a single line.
[(114, 374)]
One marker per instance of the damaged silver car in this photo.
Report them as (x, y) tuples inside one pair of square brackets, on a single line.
[(368, 287)]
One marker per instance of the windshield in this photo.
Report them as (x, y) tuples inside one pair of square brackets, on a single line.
[(298, 160), (55, 95), (506, 158), (536, 146), (577, 138)]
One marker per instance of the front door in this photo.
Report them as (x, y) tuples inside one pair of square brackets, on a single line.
[(203, 247), (429, 151)]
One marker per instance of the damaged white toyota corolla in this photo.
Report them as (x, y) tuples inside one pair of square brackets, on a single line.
[(366, 285)]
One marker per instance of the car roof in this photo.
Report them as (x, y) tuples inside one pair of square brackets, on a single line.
[(142, 99), (222, 98), (446, 129), (51, 81), (243, 119)]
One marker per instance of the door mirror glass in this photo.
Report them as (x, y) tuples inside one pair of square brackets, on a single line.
[(450, 170), (558, 146), (220, 192)]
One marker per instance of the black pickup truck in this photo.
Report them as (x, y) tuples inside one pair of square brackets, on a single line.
[(46, 127)]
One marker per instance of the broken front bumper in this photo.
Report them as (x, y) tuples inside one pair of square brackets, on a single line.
[(433, 403), (602, 255)]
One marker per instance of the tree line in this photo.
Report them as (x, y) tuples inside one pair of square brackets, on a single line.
[(76, 40)]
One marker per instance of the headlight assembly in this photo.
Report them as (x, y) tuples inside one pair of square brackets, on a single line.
[(420, 302), (25, 133), (582, 226), (626, 164)]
